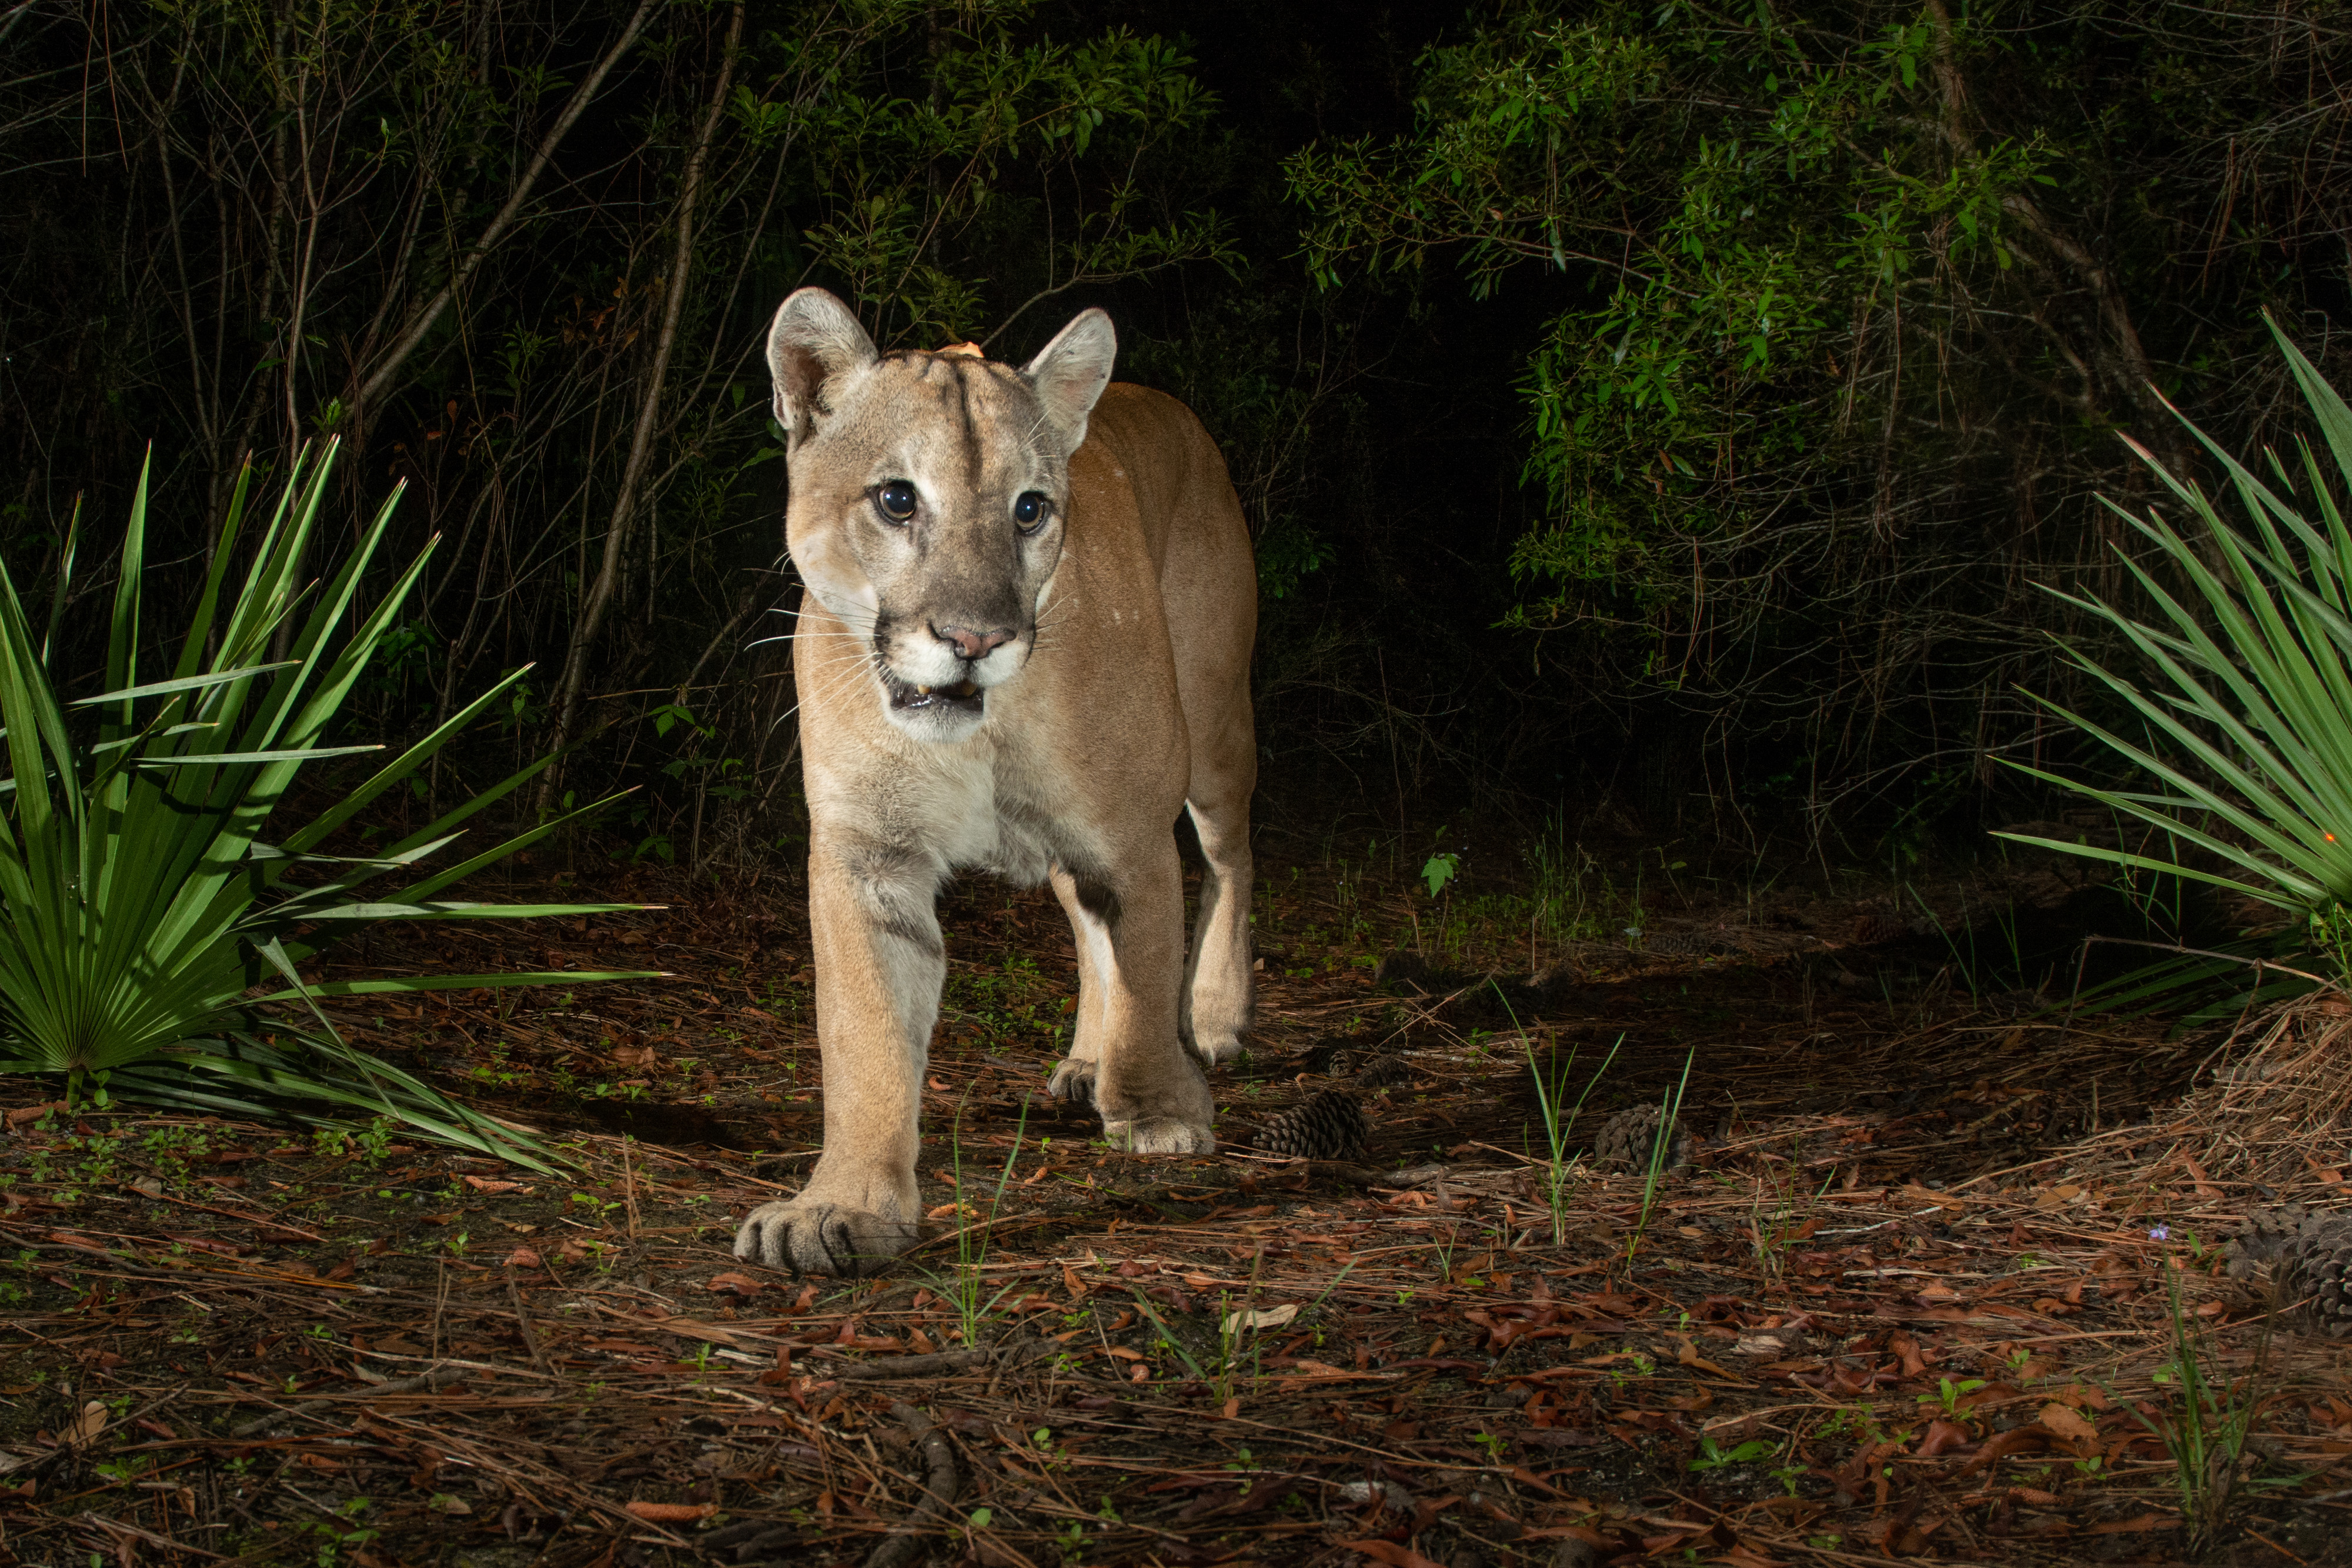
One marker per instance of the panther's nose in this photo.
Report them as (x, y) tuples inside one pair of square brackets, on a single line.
[(971, 644)]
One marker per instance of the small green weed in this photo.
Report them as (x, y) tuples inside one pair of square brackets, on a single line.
[(1713, 1455)]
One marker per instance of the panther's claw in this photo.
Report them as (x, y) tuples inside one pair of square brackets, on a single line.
[(1073, 1083), (1161, 1135), (822, 1238)]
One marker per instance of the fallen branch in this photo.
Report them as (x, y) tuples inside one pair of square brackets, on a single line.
[(118, 1527), (1010, 1357), (427, 1381), (942, 1483), (915, 1366)]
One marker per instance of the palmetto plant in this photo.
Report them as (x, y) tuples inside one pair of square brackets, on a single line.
[(2246, 701), (154, 917)]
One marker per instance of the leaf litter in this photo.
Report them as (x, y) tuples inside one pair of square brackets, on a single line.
[(1908, 1296)]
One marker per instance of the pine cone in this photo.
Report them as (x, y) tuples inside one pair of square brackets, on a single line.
[(2310, 1254), (1381, 1072), (1629, 1139), (2313, 1274), (1328, 1126), (1402, 969), (1685, 945), (2265, 1239), (1876, 923)]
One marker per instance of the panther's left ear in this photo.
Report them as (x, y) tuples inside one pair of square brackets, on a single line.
[(1070, 372)]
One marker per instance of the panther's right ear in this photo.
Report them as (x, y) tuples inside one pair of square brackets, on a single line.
[(813, 339)]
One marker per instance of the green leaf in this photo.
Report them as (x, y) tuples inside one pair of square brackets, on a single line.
[(231, 758), (2245, 693), (415, 983), (183, 684), (140, 898)]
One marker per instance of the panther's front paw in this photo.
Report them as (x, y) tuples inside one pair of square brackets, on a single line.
[(822, 1238), (1161, 1135), (1073, 1083)]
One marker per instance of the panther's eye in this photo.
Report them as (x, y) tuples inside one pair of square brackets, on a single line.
[(1029, 510), (897, 498)]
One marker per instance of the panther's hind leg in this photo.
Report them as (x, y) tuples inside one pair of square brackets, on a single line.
[(1073, 1075), (1212, 590), (1130, 915), (1216, 1001)]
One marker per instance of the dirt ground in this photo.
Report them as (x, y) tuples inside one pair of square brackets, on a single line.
[(1911, 1295)]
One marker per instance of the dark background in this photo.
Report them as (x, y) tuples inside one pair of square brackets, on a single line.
[(1795, 604)]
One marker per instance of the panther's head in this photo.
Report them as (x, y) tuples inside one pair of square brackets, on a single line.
[(927, 497)]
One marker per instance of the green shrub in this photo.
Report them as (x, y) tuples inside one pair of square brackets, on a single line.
[(2245, 695), (153, 915)]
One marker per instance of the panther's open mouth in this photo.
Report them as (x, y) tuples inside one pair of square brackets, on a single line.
[(962, 698)]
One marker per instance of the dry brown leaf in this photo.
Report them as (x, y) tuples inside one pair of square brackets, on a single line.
[(2067, 1423), (2139, 1524), (86, 1426), (1392, 1553), (2205, 1187), (1690, 1357), (671, 1512), (1268, 1318), (68, 1238), (2001, 1445), (1942, 1437)]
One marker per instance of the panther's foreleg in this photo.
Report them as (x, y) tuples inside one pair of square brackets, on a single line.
[(879, 966)]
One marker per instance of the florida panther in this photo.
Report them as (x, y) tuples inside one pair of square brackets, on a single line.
[(1026, 648)]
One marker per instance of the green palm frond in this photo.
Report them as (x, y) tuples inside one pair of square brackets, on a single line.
[(2245, 692), (151, 933)]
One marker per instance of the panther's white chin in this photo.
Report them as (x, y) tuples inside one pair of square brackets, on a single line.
[(941, 714), (938, 727)]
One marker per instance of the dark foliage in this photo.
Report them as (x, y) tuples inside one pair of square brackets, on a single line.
[(1673, 407)]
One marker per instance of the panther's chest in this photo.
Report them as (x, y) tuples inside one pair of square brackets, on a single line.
[(987, 813)]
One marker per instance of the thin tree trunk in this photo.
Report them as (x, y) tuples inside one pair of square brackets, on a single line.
[(421, 321), (590, 622)]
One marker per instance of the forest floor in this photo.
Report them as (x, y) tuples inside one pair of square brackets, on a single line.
[(1921, 1291)]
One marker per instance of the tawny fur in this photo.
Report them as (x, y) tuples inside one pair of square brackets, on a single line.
[(1113, 694)]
